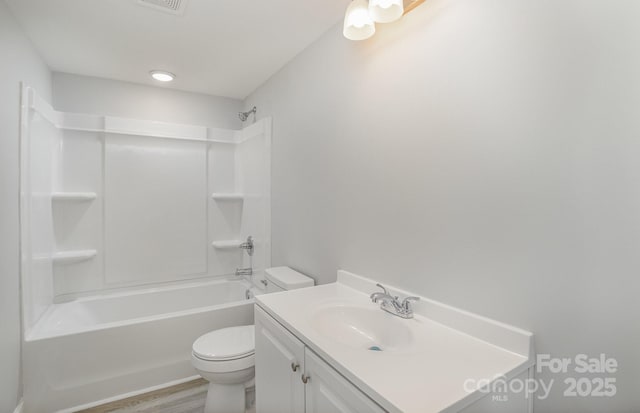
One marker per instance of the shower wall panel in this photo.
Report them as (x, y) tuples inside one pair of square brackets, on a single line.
[(155, 209), (79, 225), (41, 145), (224, 216), (111, 204), (253, 175)]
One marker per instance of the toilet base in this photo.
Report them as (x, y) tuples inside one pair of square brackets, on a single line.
[(225, 398)]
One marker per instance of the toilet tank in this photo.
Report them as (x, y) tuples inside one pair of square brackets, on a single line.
[(284, 279)]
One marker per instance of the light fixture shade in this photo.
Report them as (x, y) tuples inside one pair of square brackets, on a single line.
[(386, 11), (358, 24)]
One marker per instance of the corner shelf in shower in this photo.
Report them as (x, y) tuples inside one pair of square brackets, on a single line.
[(71, 257), (219, 196), (226, 245), (74, 196)]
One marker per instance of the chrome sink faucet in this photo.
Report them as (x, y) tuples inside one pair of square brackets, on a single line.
[(392, 305)]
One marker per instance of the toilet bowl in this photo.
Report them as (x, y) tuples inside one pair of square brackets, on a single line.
[(226, 357)]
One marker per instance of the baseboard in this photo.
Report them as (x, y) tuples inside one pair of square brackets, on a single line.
[(126, 395), (20, 407)]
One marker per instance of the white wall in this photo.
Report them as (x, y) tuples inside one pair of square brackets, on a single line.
[(18, 62), (82, 94), (482, 153)]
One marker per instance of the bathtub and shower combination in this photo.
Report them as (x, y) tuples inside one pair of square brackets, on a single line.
[(129, 241), (90, 350)]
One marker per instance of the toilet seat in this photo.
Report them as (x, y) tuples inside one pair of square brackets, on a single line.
[(226, 344), (225, 350), (223, 366)]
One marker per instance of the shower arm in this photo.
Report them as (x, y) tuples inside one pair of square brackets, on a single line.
[(245, 115)]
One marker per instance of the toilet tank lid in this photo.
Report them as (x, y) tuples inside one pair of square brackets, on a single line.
[(287, 278)]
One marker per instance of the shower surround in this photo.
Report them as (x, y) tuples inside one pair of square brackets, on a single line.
[(130, 233)]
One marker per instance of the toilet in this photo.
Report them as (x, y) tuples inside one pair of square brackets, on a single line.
[(225, 357)]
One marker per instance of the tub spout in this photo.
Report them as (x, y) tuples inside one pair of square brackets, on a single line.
[(244, 271)]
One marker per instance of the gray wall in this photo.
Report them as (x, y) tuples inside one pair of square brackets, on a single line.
[(83, 94), (482, 153), (18, 62)]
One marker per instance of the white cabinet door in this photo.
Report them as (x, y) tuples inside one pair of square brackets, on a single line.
[(328, 392), (279, 367)]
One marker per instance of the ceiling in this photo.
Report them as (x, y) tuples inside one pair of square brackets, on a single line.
[(219, 47)]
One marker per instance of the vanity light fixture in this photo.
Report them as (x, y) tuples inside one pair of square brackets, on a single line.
[(358, 24), (386, 11), (361, 15), (162, 76)]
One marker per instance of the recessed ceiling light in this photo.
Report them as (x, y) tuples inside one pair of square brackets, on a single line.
[(162, 76)]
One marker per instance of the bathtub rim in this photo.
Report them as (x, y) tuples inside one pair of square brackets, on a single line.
[(35, 333), (119, 290)]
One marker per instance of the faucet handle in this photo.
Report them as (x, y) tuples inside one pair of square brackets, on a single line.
[(383, 289), (406, 303), (378, 295), (248, 245)]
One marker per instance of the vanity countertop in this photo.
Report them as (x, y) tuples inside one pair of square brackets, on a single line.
[(447, 346)]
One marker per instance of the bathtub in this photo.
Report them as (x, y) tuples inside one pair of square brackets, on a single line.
[(97, 349)]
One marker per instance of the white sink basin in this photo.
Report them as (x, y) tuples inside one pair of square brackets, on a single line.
[(361, 327)]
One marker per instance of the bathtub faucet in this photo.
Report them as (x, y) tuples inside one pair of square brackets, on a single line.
[(244, 271), (248, 245)]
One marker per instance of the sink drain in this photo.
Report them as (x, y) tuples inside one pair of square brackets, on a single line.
[(375, 348)]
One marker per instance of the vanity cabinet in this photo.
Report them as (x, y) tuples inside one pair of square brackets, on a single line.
[(284, 363), (328, 392), (280, 363)]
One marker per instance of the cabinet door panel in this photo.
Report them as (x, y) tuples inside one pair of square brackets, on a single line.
[(278, 388), (328, 392)]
